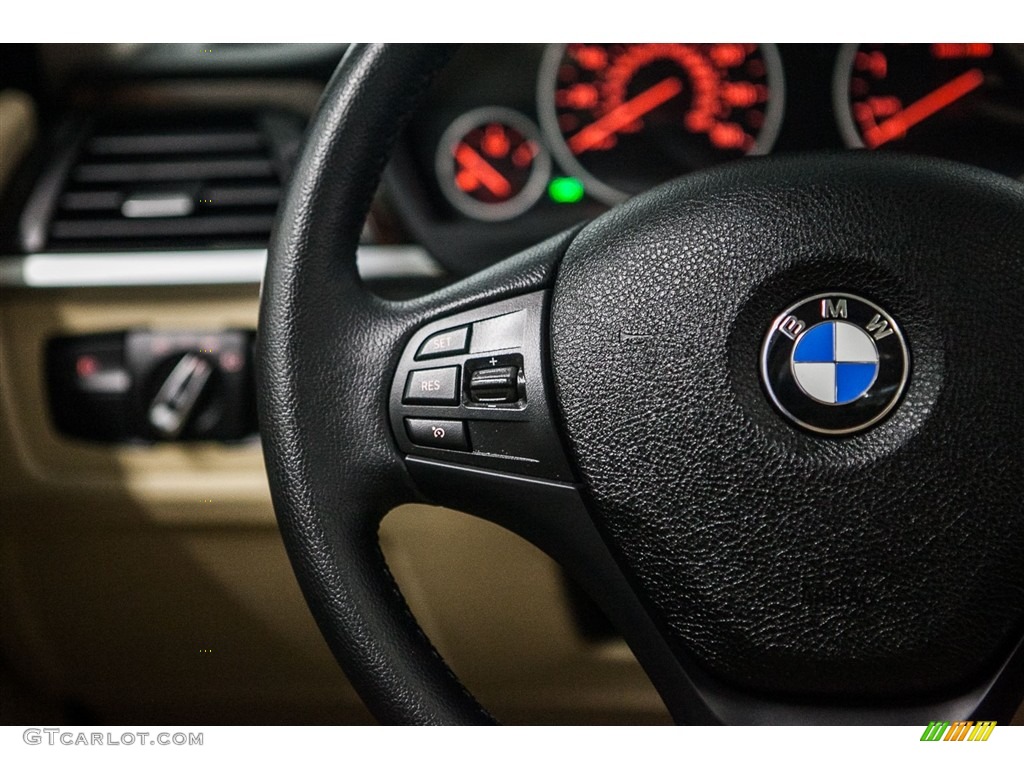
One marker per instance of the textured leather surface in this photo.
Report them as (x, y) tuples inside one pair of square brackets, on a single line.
[(325, 354), (885, 564)]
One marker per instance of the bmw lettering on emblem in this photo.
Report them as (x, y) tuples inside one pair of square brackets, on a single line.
[(835, 363)]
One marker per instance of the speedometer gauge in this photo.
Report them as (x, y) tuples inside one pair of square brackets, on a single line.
[(962, 101), (625, 117)]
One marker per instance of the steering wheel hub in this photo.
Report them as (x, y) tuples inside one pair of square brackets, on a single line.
[(781, 558)]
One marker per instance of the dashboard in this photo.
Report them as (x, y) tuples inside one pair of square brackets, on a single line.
[(133, 237), (517, 142)]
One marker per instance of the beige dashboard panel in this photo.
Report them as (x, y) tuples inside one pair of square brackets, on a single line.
[(205, 482), (496, 608), (17, 131), (150, 584)]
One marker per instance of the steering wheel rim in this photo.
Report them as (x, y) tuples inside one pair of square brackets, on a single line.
[(330, 412)]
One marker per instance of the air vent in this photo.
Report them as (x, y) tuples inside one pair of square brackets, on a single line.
[(174, 182)]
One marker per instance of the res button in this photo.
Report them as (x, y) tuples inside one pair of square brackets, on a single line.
[(451, 342), (434, 386)]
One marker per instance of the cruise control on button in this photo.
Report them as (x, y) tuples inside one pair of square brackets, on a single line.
[(432, 433), (434, 386)]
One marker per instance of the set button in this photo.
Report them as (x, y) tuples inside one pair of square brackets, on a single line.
[(454, 341)]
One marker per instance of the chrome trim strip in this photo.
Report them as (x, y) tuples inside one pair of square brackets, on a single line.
[(158, 268), (157, 206)]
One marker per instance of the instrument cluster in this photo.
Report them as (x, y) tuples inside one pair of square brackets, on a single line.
[(538, 136)]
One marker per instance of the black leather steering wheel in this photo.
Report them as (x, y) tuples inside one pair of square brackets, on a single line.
[(760, 571)]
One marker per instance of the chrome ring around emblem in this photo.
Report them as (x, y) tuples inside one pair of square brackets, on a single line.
[(834, 363)]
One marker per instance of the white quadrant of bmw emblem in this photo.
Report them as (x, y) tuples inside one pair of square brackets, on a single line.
[(834, 363)]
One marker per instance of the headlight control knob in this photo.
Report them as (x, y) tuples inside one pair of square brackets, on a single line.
[(178, 396)]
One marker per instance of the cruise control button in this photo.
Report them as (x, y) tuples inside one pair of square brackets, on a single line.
[(454, 341), (431, 433), (434, 386)]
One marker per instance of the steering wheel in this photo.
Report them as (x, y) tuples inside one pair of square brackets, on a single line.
[(634, 398)]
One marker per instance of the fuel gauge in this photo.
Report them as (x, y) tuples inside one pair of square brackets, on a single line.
[(491, 164)]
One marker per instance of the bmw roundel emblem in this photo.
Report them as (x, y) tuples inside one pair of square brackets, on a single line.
[(835, 363)]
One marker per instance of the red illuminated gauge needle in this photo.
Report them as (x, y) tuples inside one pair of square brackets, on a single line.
[(624, 114), (483, 171), (923, 108)]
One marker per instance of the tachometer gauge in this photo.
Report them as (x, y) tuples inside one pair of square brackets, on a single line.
[(491, 164), (962, 101), (625, 117)]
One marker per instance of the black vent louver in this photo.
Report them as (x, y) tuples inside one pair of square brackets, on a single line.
[(174, 182)]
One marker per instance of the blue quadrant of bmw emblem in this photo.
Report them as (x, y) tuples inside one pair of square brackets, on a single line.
[(834, 363)]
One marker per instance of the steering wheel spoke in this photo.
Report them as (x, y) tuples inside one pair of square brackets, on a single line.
[(473, 413)]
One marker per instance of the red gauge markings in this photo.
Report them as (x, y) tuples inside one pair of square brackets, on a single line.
[(897, 125), (491, 165)]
